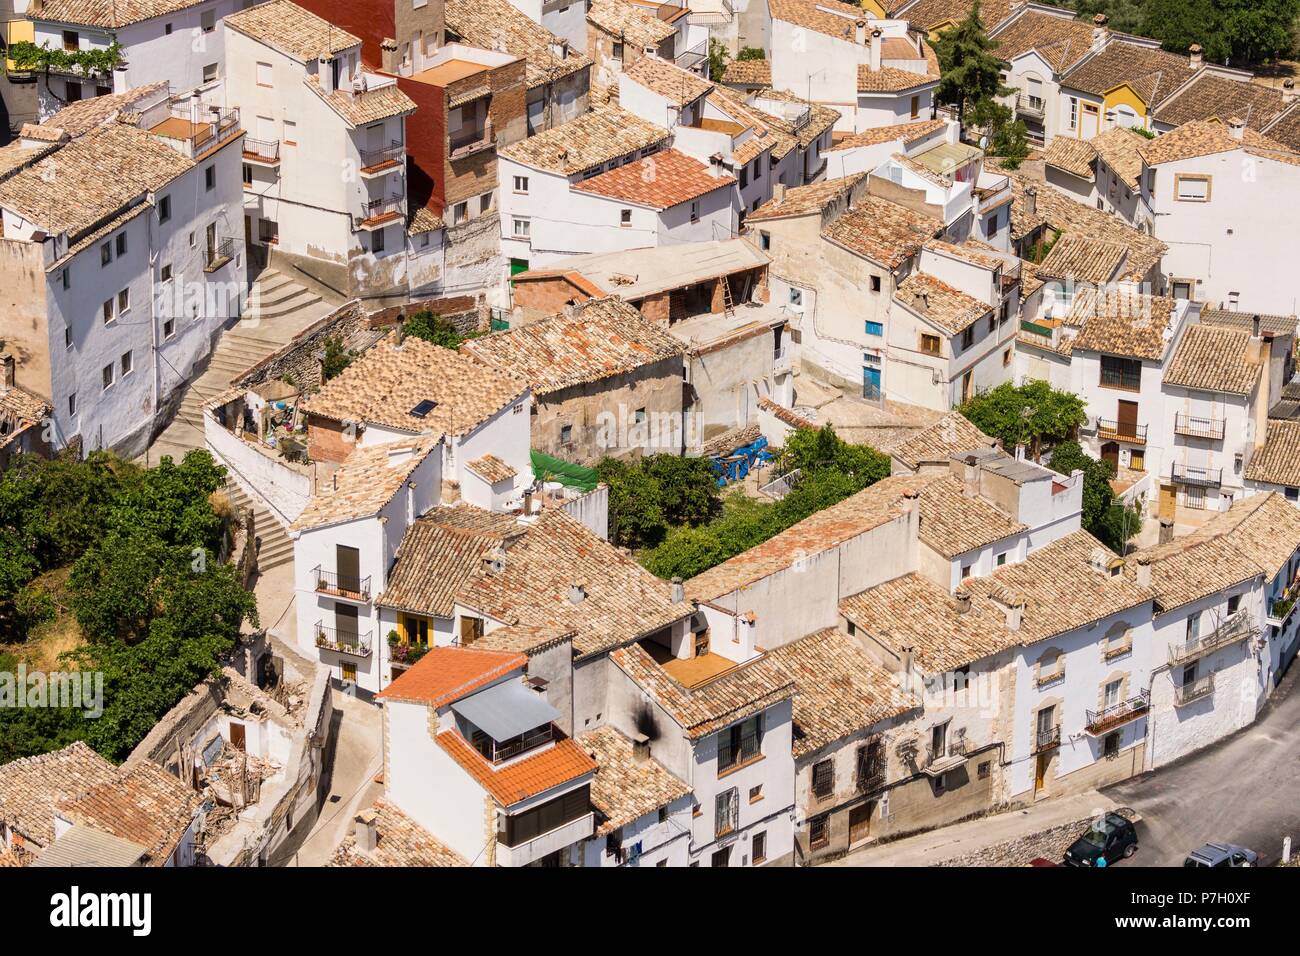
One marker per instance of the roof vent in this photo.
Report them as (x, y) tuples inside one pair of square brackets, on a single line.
[(1194, 56), (577, 593), (424, 408)]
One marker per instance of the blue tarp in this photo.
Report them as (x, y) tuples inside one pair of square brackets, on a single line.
[(735, 466)]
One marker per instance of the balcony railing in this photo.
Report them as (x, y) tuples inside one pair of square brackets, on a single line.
[(941, 759), (1194, 690), (1235, 628), (471, 142), (1047, 739), (1196, 475), (1031, 106), (344, 585), (692, 58), (262, 151), (1193, 426), (499, 751), (1108, 718), (378, 211), (1129, 432), (345, 642), (194, 130), (219, 253), (1280, 611), (374, 160)]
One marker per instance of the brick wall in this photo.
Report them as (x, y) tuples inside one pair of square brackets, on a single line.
[(547, 296), (426, 146), (329, 440)]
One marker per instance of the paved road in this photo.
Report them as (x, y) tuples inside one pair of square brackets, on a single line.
[(1243, 790)]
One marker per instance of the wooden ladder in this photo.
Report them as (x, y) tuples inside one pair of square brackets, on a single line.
[(728, 304)]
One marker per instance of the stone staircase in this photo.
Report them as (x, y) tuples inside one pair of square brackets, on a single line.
[(275, 547)]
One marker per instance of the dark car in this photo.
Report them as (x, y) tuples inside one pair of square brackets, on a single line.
[(1110, 838), (1221, 854)]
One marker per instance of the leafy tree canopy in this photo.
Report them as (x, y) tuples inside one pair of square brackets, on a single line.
[(969, 70), (434, 328), (1032, 414), (1104, 515)]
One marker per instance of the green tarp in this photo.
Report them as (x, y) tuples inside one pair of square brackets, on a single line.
[(573, 476)]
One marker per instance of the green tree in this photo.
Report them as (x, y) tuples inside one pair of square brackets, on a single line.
[(434, 328), (718, 57), (337, 357), (969, 70), (751, 53), (1241, 32), (648, 497), (1104, 515), (1007, 136), (1032, 414)]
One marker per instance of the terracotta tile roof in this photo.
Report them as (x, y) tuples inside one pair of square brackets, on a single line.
[(1206, 137), (839, 690), (401, 842), (623, 601), (1066, 216), (424, 220), (939, 303), (783, 414), (666, 179), (365, 482), (79, 118), (358, 109), (928, 14), (626, 789), (1286, 128), (434, 562), (971, 251), (31, 787), (629, 22), (802, 200), (384, 385), (679, 87), (938, 442), (1060, 589), (487, 23), (953, 524), (1256, 536), (97, 177), (491, 469), (822, 118), (748, 73), (293, 30), (109, 14), (1120, 322), (768, 133), (892, 79), (19, 410), (907, 133), (1074, 156), (1213, 359), (601, 339), (882, 231), (1061, 41), (16, 157), (912, 611), (1212, 95), (1268, 324), (523, 778), (826, 529), (816, 15), (736, 694), (524, 638), (1083, 259), (142, 803), (1119, 148), (1152, 73), (1277, 461), (446, 674), (592, 139)]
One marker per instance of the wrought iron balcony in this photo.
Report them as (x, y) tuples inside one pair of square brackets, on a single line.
[(1194, 426), (219, 253), (693, 58), (344, 642), (1235, 628), (1108, 718), (1194, 690), (345, 585), (1196, 475), (264, 151), (379, 212), (945, 758), (382, 159), (1047, 739), (1031, 106), (464, 144), (1110, 430)]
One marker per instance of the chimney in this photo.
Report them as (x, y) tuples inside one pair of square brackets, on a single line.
[(679, 591), (1144, 572), (875, 50), (640, 748), (921, 302), (1288, 91), (1166, 531), (1236, 128), (577, 593), (1099, 31), (1194, 57), (970, 479), (365, 831), (1015, 615), (8, 371), (1255, 348), (560, 49), (400, 336), (860, 32), (1031, 201), (325, 74), (962, 600), (778, 192)]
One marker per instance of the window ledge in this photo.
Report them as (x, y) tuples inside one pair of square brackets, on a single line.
[(735, 768)]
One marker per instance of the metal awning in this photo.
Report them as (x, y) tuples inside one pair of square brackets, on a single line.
[(506, 710)]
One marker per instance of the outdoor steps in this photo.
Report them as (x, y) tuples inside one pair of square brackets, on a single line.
[(277, 305), (276, 547)]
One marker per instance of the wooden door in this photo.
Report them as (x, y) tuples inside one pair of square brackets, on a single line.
[(347, 561), (860, 821), (237, 735), (349, 671), (1127, 418), (345, 623), (1110, 453), (1168, 502), (1040, 771)]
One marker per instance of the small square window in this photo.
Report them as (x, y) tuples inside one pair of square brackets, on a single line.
[(756, 793), (521, 185), (566, 434), (211, 72), (1002, 559), (208, 20), (169, 328), (875, 283), (127, 363), (164, 208), (765, 240), (105, 253), (625, 217), (72, 404), (796, 297), (165, 273), (1234, 603), (107, 375)]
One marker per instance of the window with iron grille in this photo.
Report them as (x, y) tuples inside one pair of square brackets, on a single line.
[(823, 778), (819, 832), (726, 812), (740, 742), (871, 763), (1119, 372)]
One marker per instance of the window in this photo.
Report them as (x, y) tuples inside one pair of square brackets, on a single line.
[(1110, 745), (210, 178), (290, 133), (72, 405), (916, 106), (120, 244), (819, 832), (1002, 559), (874, 328), (764, 240), (521, 185), (875, 283), (127, 364), (695, 210), (1110, 693), (107, 375), (521, 228), (1050, 667), (1234, 604), (268, 231), (105, 254), (1074, 113), (1292, 494), (1006, 357), (796, 297), (618, 52), (208, 20), (968, 337), (211, 72), (71, 91), (639, 416), (929, 344), (1182, 288), (1189, 188), (108, 311), (521, 827), (124, 301), (1121, 373), (740, 743), (169, 328), (164, 208), (991, 225), (67, 338), (1194, 626), (625, 217), (759, 848), (744, 176), (485, 204), (377, 241), (167, 30), (756, 793), (65, 277), (726, 812), (165, 273), (823, 779), (566, 434), (460, 212), (264, 75)]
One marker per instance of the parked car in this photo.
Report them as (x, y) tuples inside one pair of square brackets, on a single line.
[(1221, 854), (1109, 839)]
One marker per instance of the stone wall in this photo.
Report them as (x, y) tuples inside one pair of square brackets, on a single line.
[(1049, 844), (299, 361)]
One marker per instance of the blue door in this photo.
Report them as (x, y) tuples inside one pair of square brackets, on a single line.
[(871, 382)]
